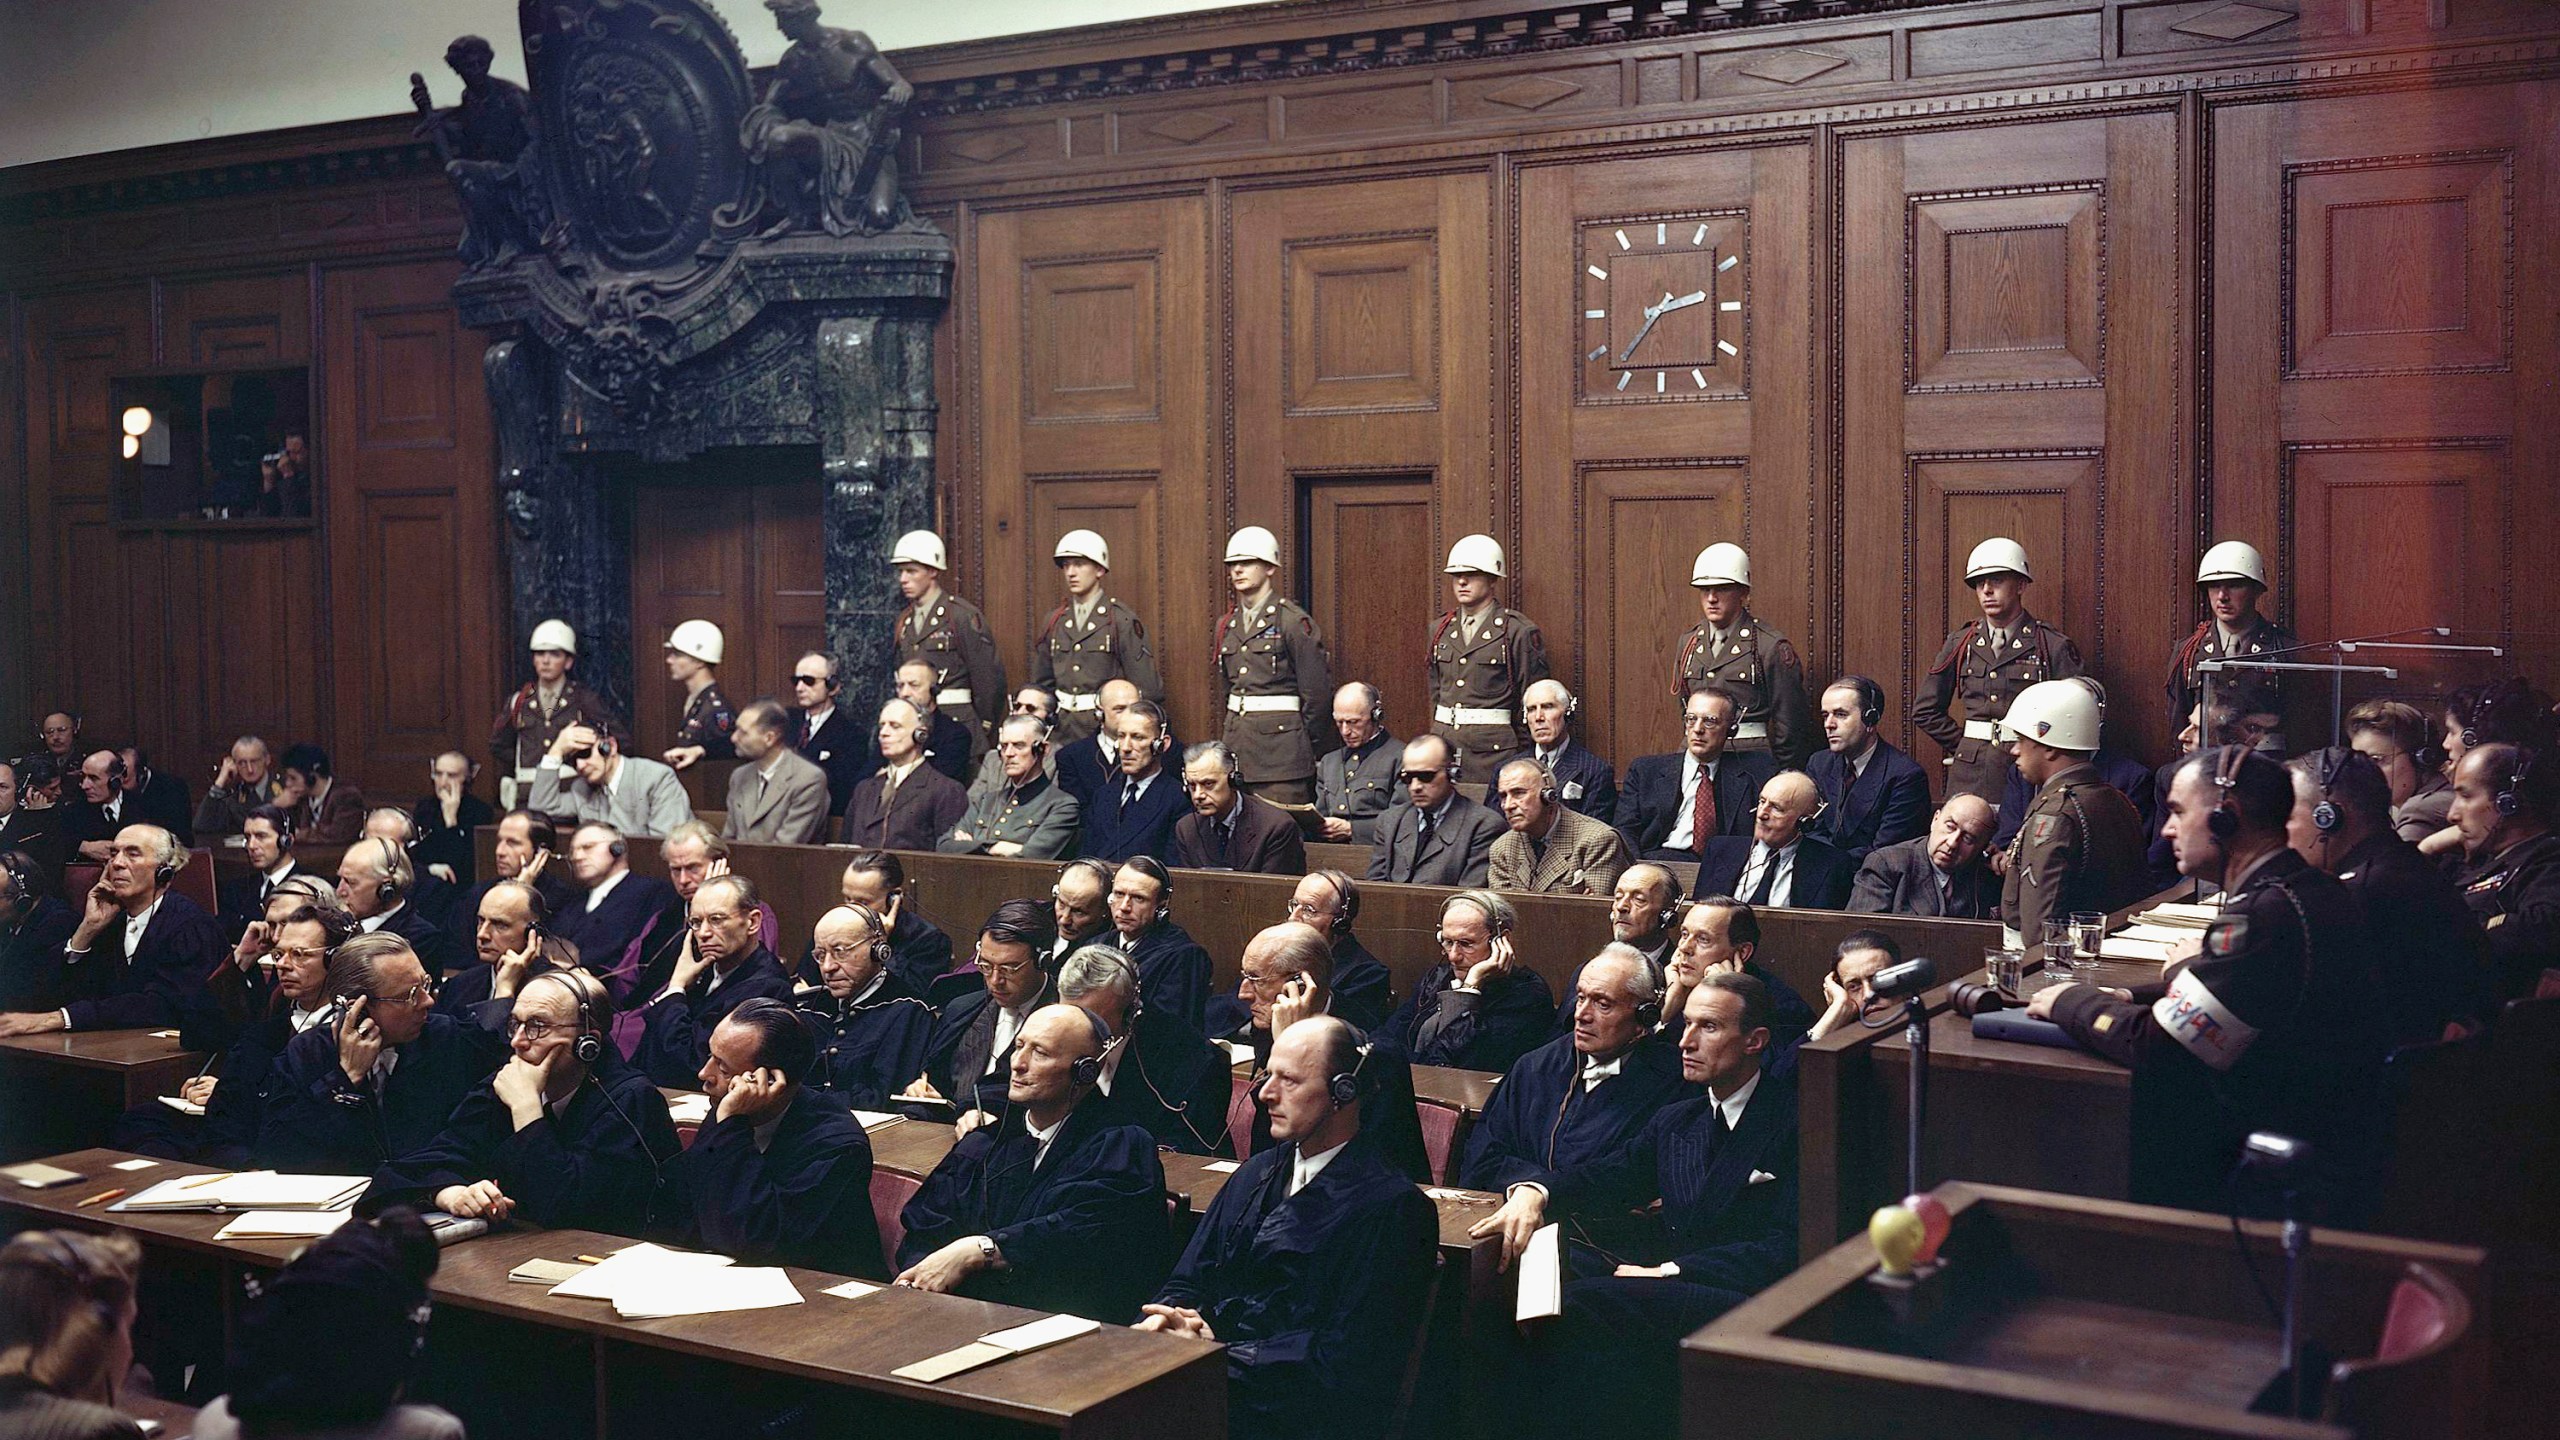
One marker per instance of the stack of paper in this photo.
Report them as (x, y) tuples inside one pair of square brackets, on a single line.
[(997, 1345), (2176, 915), (1541, 1268), (645, 1282), (282, 1224), (877, 1119), (248, 1190), (183, 1107), (690, 1109)]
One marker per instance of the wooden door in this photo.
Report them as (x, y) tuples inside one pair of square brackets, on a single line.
[(742, 549), (1366, 571)]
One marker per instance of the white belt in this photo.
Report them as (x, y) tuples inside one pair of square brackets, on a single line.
[(1075, 700), (1255, 704), (1463, 715), (1981, 730), (1751, 730), (961, 696)]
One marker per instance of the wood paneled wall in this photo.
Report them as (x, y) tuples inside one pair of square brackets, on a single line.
[(2118, 277)]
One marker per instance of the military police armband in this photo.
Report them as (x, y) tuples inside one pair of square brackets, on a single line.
[(2197, 1019)]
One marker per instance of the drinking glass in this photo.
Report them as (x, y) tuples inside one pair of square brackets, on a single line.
[(2088, 935), (2008, 970)]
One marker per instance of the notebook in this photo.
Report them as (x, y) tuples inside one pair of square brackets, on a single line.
[(247, 1190), (997, 1345)]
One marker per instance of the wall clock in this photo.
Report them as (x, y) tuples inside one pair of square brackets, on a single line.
[(1662, 308)]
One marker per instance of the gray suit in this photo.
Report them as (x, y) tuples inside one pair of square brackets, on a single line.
[(788, 807), (1897, 880), (1459, 851), (646, 797), (1583, 857), (1039, 817)]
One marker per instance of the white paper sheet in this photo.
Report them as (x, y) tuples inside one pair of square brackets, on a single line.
[(282, 1224), (705, 1291), (690, 1109), (183, 1107), (135, 1165), (852, 1289), (1040, 1334), (1223, 1167), (636, 1267), (1541, 1270), (877, 1119)]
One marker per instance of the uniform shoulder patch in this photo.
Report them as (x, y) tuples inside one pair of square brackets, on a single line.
[(2228, 935), (2044, 827)]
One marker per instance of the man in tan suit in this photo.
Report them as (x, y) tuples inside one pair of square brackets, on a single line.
[(776, 797), (1549, 849)]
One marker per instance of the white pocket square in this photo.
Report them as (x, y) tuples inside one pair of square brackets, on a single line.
[(1760, 1177)]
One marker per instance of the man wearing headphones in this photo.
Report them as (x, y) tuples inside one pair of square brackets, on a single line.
[(1356, 784), (1162, 1075), (823, 734), (776, 797), (1481, 1007), (2274, 1023), (1781, 863), (1872, 793), (1227, 828), (973, 1042), (871, 1029), (2420, 934), (906, 804), (1673, 805), (2081, 848), (723, 965), (560, 1135), (266, 836), (948, 635), (152, 797), (619, 921), (1132, 809), (91, 824), (1173, 971), (326, 810), (1027, 816), (2503, 804), (241, 783), (1054, 1207), (1550, 848), (378, 1077), (1944, 872), (33, 924), (510, 938), (374, 883), (1584, 781), (29, 830), (1079, 908), (1313, 1264), (1584, 1093), (140, 954), (921, 953), (1439, 836), (946, 741), (586, 779), (781, 1172), (443, 821)]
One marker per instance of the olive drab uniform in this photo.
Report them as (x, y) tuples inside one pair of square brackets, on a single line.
[(1275, 688), (708, 719), (1074, 655), (2244, 692), (1761, 667), (1477, 675), (528, 723), (2081, 847), (950, 634), (1986, 668)]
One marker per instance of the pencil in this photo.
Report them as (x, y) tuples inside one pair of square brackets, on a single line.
[(590, 1259), (101, 1198)]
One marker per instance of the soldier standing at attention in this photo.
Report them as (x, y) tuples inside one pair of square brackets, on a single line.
[(1272, 679), (693, 661), (1760, 666), (1482, 657), (2233, 577), (549, 703), (949, 634), (1089, 639), (2082, 846), (1986, 663)]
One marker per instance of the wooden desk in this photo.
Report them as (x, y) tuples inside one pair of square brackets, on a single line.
[(1115, 1382), (2055, 1315), (64, 1090)]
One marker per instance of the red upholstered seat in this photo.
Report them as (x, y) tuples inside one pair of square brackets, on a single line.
[(1439, 1138), (890, 1192)]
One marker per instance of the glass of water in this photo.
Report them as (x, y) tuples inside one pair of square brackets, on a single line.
[(2058, 937), (2008, 970), (2088, 934)]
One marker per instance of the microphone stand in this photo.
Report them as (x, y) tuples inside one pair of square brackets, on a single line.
[(1916, 1034), (2297, 1245)]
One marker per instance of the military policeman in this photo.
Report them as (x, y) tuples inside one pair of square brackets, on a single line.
[(1986, 663), (2503, 805), (949, 634), (1089, 639), (2234, 578), (1483, 655), (549, 703), (1356, 784), (693, 661), (1272, 679), (2277, 1024), (1760, 666), (2081, 845), (1028, 815)]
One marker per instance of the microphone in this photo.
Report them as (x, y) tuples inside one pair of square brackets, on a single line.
[(1970, 1000), (1900, 982)]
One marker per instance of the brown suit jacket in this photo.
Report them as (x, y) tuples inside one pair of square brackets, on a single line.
[(339, 820), (1266, 841), (1583, 858)]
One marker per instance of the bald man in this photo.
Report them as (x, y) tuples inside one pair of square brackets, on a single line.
[(871, 1029), (1945, 872), (1779, 863), (1083, 766)]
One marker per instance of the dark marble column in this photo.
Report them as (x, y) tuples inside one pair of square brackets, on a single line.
[(566, 557), (875, 422)]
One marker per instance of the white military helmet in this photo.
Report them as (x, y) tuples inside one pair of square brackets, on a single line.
[(2058, 713), (1475, 555), (1254, 543), (1084, 545), (699, 639), (2233, 560), (920, 547), (555, 635), (1722, 563), (1995, 555)]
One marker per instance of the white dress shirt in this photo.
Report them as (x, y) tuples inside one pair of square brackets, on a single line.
[(1304, 1169), (1683, 834), (1783, 889), (1595, 1071), (603, 888)]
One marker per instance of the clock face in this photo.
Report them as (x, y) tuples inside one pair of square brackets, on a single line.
[(1662, 308)]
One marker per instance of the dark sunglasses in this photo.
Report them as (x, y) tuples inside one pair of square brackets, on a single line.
[(808, 679), (1418, 777)]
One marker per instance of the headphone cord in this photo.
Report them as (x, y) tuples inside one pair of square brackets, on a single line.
[(657, 1167)]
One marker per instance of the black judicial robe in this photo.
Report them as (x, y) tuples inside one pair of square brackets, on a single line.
[(1317, 1296), (639, 905), (1389, 1118), (967, 1030), (1171, 1083), (315, 1121), (228, 1130), (463, 996), (675, 1033), (1511, 1018), (804, 1199), (1541, 1119), (919, 954), (1084, 1231), (871, 1047), (161, 984), (1173, 971), (31, 957), (2421, 937), (590, 1164), (1363, 994)]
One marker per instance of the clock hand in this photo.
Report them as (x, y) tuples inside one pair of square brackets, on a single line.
[(1652, 313), (1694, 297)]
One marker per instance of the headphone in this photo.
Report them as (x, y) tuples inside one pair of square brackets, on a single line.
[(389, 889), (2510, 799), (881, 949), (1085, 1071), (616, 848), (1870, 697), (1344, 1089), (589, 1046), (1649, 1014), (22, 884), (2325, 816), (2223, 821), (173, 859)]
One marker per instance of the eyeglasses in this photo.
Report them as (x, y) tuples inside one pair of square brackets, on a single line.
[(1455, 942), (1303, 909), (850, 951), (1417, 777), (418, 994), (1014, 971), (711, 921), (536, 1028), (808, 679), (302, 953), (1703, 722)]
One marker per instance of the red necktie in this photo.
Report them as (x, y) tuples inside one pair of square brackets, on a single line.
[(1702, 814)]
